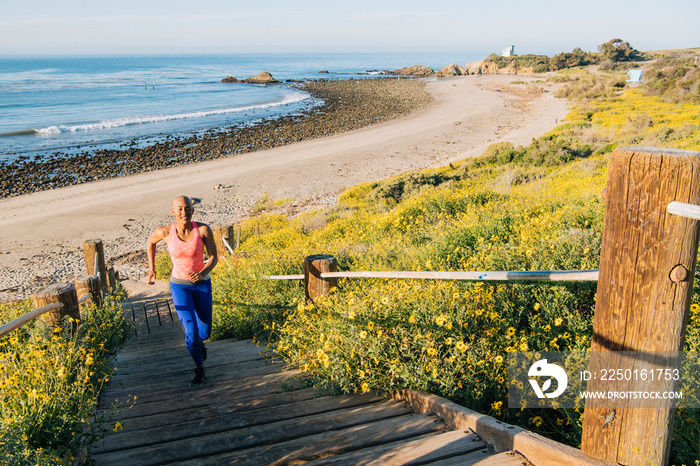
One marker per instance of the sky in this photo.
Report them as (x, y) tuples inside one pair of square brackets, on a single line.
[(138, 27)]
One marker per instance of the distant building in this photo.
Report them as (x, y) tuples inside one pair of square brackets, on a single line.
[(508, 51), (635, 76)]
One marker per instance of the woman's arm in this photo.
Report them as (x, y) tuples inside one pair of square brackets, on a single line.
[(158, 234), (213, 255)]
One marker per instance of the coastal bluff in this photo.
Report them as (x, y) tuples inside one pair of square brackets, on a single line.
[(488, 66), (481, 67)]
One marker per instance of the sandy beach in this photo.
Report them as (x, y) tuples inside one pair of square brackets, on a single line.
[(42, 235)]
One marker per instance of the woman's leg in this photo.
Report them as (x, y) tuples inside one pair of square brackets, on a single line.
[(202, 297), (183, 299)]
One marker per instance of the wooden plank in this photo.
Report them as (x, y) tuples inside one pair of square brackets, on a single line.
[(173, 427), (501, 436), (276, 432), (426, 449), (216, 407), (234, 349), (487, 458), (245, 389), (179, 371), (172, 386), (640, 306), (140, 362), (324, 444)]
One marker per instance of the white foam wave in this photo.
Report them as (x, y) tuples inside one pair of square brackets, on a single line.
[(49, 130), (120, 122)]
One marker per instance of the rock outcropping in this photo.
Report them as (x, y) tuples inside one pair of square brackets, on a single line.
[(452, 70), (262, 78), (415, 70), (490, 67)]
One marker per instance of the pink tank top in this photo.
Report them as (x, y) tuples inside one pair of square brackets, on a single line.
[(187, 256)]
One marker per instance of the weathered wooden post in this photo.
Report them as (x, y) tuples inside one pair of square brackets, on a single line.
[(238, 236), (59, 293), (90, 248), (314, 266), (223, 234), (112, 277), (89, 284), (647, 266)]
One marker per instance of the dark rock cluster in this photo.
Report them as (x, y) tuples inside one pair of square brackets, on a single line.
[(349, 104), (262, 78)]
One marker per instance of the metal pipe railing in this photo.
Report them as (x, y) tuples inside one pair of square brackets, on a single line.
[(684, 210), (19, 321), (547, 275)]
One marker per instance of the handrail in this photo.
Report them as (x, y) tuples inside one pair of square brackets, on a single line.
[(547, 275), (19, 321), (228, 246), (97, 266), (85, 298), (683, 209)]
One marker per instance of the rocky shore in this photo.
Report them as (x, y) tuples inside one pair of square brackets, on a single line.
[(43, 233), (348, 105)]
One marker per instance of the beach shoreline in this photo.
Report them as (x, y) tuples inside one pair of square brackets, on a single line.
[(41, 242), (347, 105)]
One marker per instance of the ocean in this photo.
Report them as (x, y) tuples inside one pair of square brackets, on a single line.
[(69, 105)]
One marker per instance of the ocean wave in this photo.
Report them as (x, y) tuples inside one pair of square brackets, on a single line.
[(291, 98), (21, 132)]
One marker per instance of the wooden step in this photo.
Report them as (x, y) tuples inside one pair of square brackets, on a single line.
[(322, 444), (419, 451), (148, 402), (177, 425), (198, 446), (251, 410)]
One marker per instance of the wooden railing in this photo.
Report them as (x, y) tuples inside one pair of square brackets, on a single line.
[(683, 209), (28, 317), (64, 299)]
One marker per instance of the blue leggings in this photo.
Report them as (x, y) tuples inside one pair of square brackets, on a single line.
[(193, 304)]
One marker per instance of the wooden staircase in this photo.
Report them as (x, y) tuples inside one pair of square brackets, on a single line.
[(254, 411)]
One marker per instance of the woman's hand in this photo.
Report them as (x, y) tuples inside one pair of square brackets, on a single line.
[(151, 277), (194, 277)]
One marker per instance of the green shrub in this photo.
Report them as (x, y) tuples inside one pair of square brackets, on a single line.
[(50, 382)]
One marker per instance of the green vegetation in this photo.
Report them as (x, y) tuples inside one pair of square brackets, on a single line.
[(513, 208), (610, 54), (674, 77), (50, 381), (539, 63), (573, 59), (618, 50)]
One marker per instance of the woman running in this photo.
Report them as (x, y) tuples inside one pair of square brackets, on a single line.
[(190, 284)]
